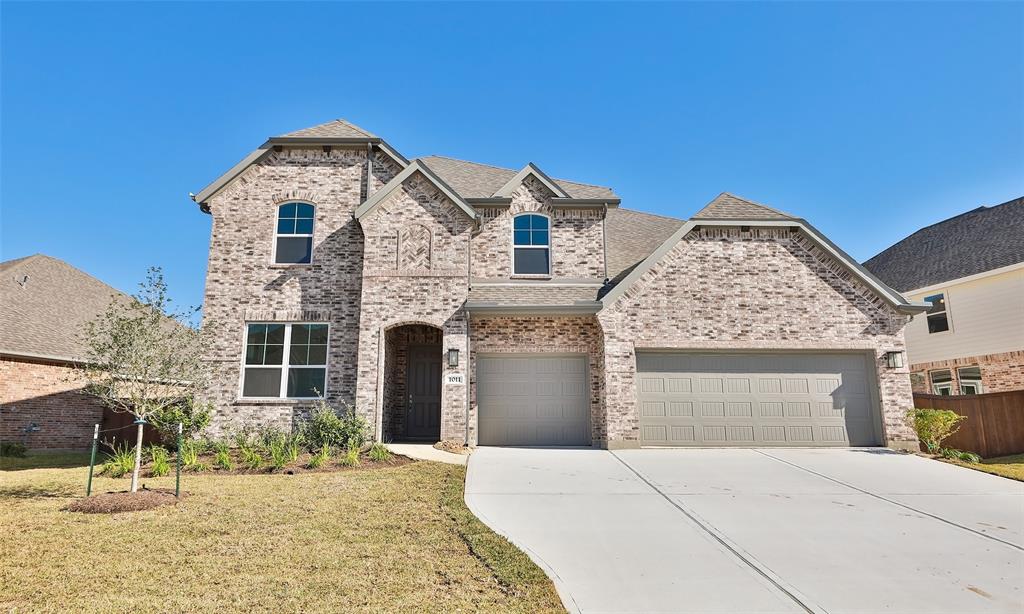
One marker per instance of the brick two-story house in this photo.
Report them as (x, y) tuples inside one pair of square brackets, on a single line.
[(453, 300)]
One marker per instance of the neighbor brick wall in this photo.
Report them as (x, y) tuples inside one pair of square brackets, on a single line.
[(766, 288), (50, 396), (999, 372), (577, 236), (545, 334)]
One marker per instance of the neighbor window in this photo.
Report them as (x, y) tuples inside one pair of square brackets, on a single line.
[(294, 240), (938, 318), (942, 382), (970, 380), (531, 245), (285, 360)]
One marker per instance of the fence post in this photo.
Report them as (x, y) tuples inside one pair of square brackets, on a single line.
[(92, 459), (177, 475)]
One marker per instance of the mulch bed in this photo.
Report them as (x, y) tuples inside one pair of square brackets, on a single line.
[(116, 502), (452, 446)]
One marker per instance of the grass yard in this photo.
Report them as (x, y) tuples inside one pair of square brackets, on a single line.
[(380, 540), (1007, 466)]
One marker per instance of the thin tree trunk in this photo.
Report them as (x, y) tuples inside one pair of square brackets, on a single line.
[(138, 460)]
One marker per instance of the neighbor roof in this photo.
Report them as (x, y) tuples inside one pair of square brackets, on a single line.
[(980, 240), (475, 180), (44, 315), (728, 206)]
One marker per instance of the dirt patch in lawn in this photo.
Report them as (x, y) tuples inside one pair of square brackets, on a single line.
[(116, 502)]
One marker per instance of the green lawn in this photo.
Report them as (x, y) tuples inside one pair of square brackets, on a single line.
[(1007, 466), (378, 540)]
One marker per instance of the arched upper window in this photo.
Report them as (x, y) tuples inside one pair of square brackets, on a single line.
[(531, 245), (293, 243)]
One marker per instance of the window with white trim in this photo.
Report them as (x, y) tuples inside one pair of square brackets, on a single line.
[(942, 382), (531, 245), (285, 361), (293, 243), (938, 317), (970, 380)]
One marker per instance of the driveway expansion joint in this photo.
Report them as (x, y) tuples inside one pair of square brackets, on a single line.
[(747, 559), (887, 500)]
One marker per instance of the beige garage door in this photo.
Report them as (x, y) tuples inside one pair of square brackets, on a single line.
[(693, 399), (533, 400)]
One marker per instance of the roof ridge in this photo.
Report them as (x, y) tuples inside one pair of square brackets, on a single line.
[(752, 202), (353, 126), (664, 217), (500, 168), (513, 170)]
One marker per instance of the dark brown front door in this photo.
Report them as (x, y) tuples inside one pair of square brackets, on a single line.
[(423, 420)]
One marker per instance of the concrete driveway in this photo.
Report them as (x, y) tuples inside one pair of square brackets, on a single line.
[(781, 530)]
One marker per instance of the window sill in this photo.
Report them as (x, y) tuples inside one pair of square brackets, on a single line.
[(299, 265), (272, 401), (529, 276)]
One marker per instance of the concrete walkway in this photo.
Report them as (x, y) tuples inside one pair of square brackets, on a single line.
[(784, 530), (425, 451)]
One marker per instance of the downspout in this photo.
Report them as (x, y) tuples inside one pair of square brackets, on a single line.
[(604, 241), (369, 169), (469, 286)]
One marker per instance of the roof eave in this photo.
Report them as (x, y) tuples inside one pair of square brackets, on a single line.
[(584, 203), (416, 165)]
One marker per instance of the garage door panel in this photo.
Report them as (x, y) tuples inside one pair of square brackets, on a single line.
[(755, 399), (534, 400)]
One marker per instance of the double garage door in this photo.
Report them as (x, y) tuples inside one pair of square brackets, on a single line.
[(533, 400), (786, 399)]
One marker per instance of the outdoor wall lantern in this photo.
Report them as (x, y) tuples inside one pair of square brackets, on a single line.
[(894, 359), (453, 357)]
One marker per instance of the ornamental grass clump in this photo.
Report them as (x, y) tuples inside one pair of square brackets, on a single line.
[(161, 461), (222, 457), (379, 453), (350, 457), (120, 461), (319, 458)]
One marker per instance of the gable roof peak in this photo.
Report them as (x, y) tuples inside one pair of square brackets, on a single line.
[(727, 206), (530, 169), (336, 128), (420, 166)]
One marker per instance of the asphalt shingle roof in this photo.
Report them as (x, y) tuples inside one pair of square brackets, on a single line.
[(980, 240), (334, 129), (474, 180), (44, 314), (633, 235), (728, 206)]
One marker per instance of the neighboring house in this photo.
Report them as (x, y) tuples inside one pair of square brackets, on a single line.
[(454, 300), (970, 268), (45, 304)]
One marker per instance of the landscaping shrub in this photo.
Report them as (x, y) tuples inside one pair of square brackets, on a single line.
[(933, 426), (121, 461), (379, 452), (189, 453), (282, 447), (222, 457), (327, 427), (251, 457), (960, 455), (320, 458), (350, 457), (193, 415), (161, 461), (9, 448)]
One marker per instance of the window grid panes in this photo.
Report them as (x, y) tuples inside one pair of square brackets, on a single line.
[(285, 360), (294, 240), (970, 380), (531, 240), (942, 382)]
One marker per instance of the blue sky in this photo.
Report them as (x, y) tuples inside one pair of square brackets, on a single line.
[(868, 119)]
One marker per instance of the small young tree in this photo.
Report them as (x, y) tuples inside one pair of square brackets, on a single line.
[(143, 358), (933, 425)]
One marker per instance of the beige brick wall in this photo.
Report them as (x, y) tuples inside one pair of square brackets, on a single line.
[(544, 334), (766, 288), (577, 242), (50, 396)]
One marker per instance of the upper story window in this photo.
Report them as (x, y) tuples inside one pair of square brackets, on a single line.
[(293, 243), (531, 245), (285, 361), (942, 382), (938, 318)]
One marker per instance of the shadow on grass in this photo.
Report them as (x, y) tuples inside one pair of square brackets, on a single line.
[(38, 491), (48, 460)]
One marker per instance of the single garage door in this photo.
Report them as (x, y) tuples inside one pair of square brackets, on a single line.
[(533, 400), (694, 399)]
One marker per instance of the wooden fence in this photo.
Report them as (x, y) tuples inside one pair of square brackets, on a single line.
[(118, 428), (994, 424)]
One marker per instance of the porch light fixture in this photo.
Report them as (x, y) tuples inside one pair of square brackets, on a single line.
[(453, 357), (894, 359)]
